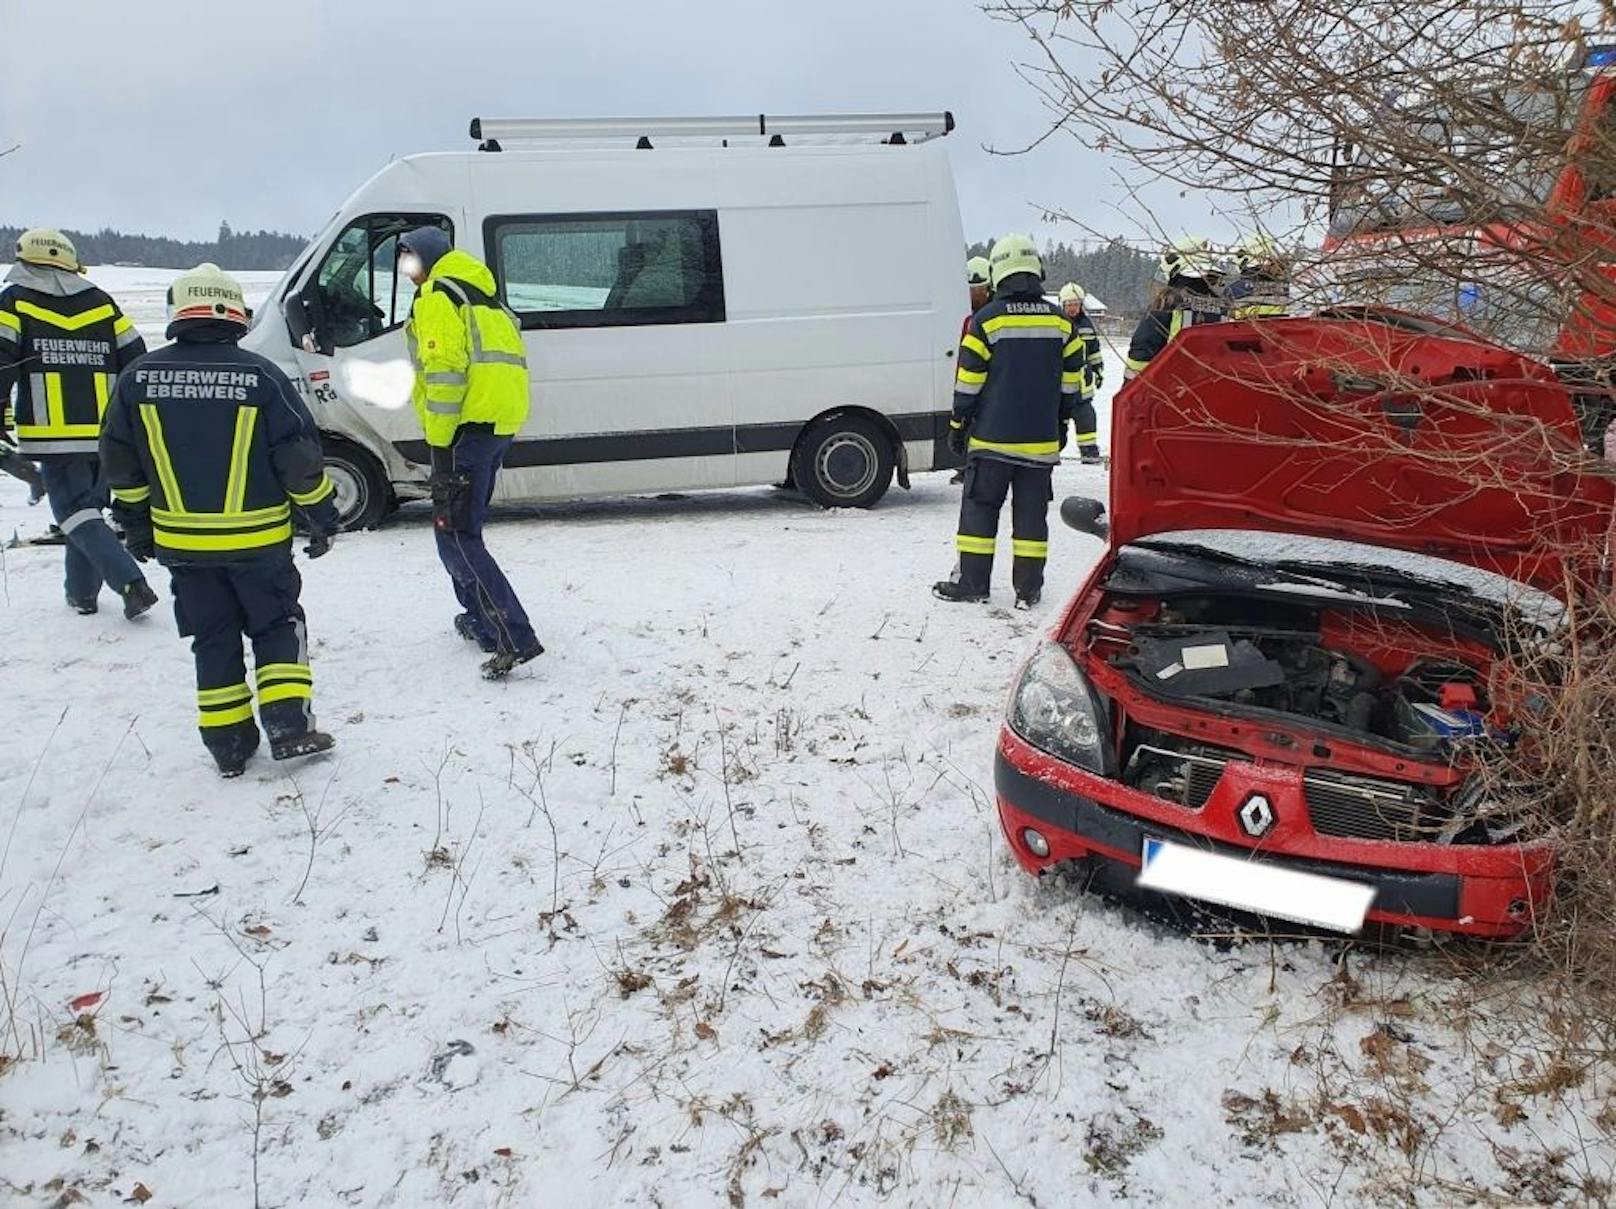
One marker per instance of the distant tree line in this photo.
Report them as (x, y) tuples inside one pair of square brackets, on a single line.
[(231, 250), (1118, 275)]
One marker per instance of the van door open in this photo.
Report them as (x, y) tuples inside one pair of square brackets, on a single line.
[(354, 359)]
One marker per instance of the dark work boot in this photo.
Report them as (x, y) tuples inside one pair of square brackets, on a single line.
[(1028, 600), (506, 662), (232, 749), (467, 629), (309, 743), (137, 598), (1090, 455), (82, 605), (958, 593)]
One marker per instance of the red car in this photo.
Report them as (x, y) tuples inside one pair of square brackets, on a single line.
[(1326, 538)]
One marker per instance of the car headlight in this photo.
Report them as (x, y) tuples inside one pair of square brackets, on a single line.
[(1054, 708)]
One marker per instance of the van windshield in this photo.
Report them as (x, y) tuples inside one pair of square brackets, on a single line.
[(284, 284)]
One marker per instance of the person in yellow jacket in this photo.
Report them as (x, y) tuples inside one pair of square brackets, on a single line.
[(471, 394)]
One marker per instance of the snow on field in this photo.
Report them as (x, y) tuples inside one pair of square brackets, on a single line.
[(707, 906)]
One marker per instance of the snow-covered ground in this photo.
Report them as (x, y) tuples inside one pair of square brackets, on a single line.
[(707, 906)]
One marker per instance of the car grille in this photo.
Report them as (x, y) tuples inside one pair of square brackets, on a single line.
[(1339, 804)]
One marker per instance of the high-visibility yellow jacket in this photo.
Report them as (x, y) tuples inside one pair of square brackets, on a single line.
[(467, 351)]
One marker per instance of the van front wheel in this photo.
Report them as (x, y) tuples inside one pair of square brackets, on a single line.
[(843, 462), (362, 493)]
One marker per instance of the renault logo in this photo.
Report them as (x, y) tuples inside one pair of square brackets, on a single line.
[(1256, 816)]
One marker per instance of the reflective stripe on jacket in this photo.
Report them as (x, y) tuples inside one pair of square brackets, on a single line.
[(62, 353), (214, 442), (470, 365), (1190, 308), (1258, 296), (1022, 372)]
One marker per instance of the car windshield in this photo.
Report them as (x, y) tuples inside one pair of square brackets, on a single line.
[(1476, 159), (1363, 568)]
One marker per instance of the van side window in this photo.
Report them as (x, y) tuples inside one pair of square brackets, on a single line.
[(609, 270), (360, 295)]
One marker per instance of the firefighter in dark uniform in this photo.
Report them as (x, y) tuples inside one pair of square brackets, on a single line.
[(1085, 419), (1187, 296), (1020, 379), (208, 449), (977, 278), (1261, 288), (62, 343)]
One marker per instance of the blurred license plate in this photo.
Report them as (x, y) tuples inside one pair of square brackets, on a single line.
[(1258, 886)]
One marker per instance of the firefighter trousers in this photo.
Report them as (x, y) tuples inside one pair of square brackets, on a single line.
[(217, 606), (1086, 421), (987, 482), (78, 492)]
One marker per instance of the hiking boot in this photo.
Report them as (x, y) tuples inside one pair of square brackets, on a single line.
[(506, 662), (957, 593), (230, 754), (1028, 600), (309, 743), (83, 605), (137, 598), (464, 626)]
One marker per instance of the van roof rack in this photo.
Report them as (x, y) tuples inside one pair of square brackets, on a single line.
[(899, 128)]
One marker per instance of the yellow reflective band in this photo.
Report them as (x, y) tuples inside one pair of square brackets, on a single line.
[(1034, 449), (7, 319), (956, 424), (1137, 367), (45, 432), (131, 495), (309, 498), (121, 324), (222, 520), (1074, 345), (208, 719), (973, 377), (218, 542), (1001, 322), (1176, 325), (284, 692), (966, 543), (67, 323), (285, 671), (103, 392), (1023, 549), (57, 414), (159, 453), (1074, 379), (223, 696), (978, 347), (1087, 438), (235, 483)]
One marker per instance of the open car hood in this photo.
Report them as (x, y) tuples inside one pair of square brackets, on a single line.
[(1366, 426)]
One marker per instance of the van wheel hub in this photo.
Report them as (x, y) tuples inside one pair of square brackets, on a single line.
[(847, 464)]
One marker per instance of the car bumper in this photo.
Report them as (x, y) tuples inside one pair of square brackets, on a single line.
[(1492, 891)]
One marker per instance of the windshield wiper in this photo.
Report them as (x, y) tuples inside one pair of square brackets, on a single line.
[(1377, 573), (1302, 573)]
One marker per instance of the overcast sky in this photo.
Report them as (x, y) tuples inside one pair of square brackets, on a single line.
[(168, 116)]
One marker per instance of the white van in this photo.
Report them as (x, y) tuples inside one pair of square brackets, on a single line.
[(710, 303)]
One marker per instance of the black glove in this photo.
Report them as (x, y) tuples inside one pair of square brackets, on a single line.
[(319, 543), (958, 438), (139, 544)]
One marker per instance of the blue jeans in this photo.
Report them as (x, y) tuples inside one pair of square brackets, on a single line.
[(95, 556), (495, 614)]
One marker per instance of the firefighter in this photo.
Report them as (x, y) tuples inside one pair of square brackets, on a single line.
[(1186, 296), (471, 394), (209, 449), (1019, 382), (1261, 287), (1086, 421), (62, 343), (977, 272)]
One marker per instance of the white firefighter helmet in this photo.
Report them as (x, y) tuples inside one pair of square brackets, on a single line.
[(52, 249), (1255, 250), (1188, 256), (1014, 254), (206, 292), (1071, 292), (977, 271)]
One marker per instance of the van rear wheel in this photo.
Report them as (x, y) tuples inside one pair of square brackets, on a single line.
[(362, 492), (843, 462)]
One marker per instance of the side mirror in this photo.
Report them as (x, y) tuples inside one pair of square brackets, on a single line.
[(1086, 516), (304, 316)]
